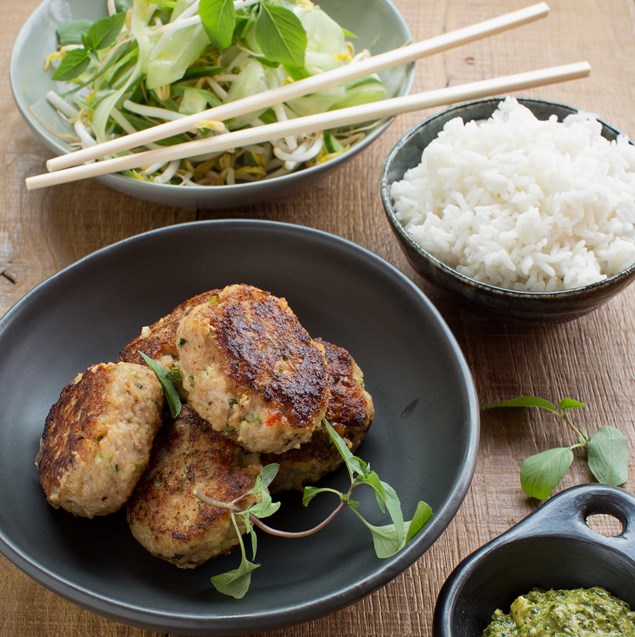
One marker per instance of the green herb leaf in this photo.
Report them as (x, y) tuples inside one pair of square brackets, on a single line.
[(236, 582), (422, 514), (540, 473), (608, 456), (104, 32), (123, 5), (525, 401), (567, 404), (171, 395), (73, 64), (310, 492), (387, 540), (219, 20), (266, 506), (267, 475), (280, 35), (72, 32), (355, 465)]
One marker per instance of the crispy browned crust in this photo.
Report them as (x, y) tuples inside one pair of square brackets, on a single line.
[(97, 438), (72, 427), (165, 515), (264, 346), (161, 335), (261, 346), (350, 410)]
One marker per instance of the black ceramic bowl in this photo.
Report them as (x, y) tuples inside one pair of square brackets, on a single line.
[(474, 295), (423, 441), (552, 548)]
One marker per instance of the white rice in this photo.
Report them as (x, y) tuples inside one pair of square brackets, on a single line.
[(522, 203)]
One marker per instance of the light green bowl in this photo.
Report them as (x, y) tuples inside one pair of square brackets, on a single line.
[(377, 23)]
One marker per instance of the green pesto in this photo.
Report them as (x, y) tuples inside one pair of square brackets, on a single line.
[(581, 612)]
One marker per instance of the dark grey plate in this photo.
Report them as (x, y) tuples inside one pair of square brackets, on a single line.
[(424, 439)]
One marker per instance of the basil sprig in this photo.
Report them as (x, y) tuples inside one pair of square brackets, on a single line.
[(278, 31), (388, 539), (236, 582), (94, 38), (606, 450)]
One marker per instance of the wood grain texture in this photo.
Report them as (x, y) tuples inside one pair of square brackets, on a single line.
[(591, 359)]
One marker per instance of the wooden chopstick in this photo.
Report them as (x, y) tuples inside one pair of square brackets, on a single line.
[(308, 85), (313, 123)]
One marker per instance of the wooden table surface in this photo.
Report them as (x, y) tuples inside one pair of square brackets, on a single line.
[(590, 359)]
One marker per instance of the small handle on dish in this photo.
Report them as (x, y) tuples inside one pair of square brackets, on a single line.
[(567, 513)]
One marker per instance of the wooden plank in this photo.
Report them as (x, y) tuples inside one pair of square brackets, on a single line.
[(590, 359)]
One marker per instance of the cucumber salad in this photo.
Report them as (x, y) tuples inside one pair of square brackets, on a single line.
[(149, 62)]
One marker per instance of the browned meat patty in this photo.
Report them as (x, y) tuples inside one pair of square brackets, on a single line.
[(252, 370), (350, 410), (165, 515), (158, 341), (97, 438)]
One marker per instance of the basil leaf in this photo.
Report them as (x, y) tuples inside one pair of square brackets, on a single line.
[(540, 473), (236, 582), (71, 32), (171, 395), (266, 506), (422, 514), (219, 20), (310, 492), (123, 5), (566, 404), (608, 456), (355, 465), (524, 401), (104, 32), (267, 475), (280, 35), (75, 62), (386, 540)]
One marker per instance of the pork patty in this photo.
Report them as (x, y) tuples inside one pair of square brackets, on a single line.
[(165, 515), (97, 438), (251, 369), (350, 410)]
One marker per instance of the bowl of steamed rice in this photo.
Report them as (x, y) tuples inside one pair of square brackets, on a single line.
[(523, 208)]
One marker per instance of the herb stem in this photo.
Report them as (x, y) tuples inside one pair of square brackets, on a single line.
[(298, 534), (581, 436)]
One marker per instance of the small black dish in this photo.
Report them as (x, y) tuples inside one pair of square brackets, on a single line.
[(553, 547), (479, 297)]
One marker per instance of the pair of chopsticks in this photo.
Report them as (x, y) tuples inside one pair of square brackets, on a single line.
[(71, 167)]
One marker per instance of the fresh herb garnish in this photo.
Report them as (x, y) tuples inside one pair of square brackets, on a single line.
[(100, 35), (606, 449), (219, 21), (72, 32), (278, 31), (388, 539), (171, 395), (236, 582), (280, 35)]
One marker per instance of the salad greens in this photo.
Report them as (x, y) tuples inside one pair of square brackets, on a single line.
[(149, 62), (607, 450)]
